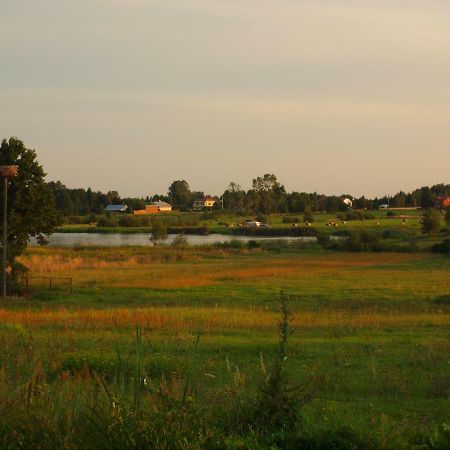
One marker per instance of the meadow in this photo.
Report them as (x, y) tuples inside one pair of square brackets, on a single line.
[(173, 348), (220, 221)]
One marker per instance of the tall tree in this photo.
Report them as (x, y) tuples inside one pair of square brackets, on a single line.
[(431, 221), (180, 194), (270, 194), (234, 197), (31, 205)]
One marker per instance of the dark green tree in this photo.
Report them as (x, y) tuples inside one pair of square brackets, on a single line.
[(270, 194), (31, 204), (431, 221), (159, 232), (234, 197), (180, 194)]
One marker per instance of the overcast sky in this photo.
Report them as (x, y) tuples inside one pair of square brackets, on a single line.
[(333, 96)]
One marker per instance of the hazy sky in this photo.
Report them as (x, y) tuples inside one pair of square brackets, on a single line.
[(332, 96)]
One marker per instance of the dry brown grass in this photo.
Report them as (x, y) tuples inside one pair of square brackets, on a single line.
[(175, 319), (147, 268)]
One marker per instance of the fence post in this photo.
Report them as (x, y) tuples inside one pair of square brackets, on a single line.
[(71, 286), (50, 283)]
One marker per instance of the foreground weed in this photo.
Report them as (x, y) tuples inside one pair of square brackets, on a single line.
[(279, 403)]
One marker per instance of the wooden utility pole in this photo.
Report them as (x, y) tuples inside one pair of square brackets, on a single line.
[(6, 172)]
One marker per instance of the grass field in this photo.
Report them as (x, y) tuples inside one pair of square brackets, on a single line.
[(217, 222), (371, 340)]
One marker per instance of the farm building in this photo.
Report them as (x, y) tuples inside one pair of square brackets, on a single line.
[(116, 208), (442, 202), (154, 208), (207, 202)]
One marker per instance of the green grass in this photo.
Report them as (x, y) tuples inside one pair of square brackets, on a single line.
[(371, 341)]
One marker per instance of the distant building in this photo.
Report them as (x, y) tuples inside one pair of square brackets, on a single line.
[(154, 208), (116, 208), (383, 207), (207, 202), (442, 202)]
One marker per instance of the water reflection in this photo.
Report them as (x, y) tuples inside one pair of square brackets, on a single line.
[(143, 239)]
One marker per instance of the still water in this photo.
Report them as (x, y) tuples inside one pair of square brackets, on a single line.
[(143, 239)]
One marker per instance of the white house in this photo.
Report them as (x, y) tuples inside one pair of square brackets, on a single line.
[(207, 202)]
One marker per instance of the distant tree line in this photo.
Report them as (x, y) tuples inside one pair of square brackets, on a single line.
[(79, 201), (266, 196)]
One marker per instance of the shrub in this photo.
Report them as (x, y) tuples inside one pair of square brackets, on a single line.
[(234, 243), (354, 241), (397, 234), (442, 300), (188, 230), (143, 221), (447, 216), (431, 221), (253, 244), (323, 240), (75, 220), (443, 247), (276, 409), (440, 439), (363, 240), (180, 241), (159, 232), (106, 221), (308, 216), (128, 221)]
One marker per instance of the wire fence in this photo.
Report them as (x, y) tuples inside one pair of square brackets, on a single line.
[(28, 285)]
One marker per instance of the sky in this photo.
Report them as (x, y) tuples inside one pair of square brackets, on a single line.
[(333, 96)]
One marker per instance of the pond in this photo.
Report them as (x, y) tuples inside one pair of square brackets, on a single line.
[(143, 239)]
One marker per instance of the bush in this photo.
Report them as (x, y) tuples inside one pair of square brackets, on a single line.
[(323, 240), (180, 241), (91, 218), (355, 215), (253, 244), (354, 241), (128, 221), (308, 216), (447, 216), (75, 220), (440, 439), (105, 222), (431, 221), (144, 221), (442, 300), (234, 243), (397, 234), (204, 231), (159, 232), (443, 247), (363, 240), (277, 407)]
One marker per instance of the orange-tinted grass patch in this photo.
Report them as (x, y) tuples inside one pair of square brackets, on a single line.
[(213, 319)]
